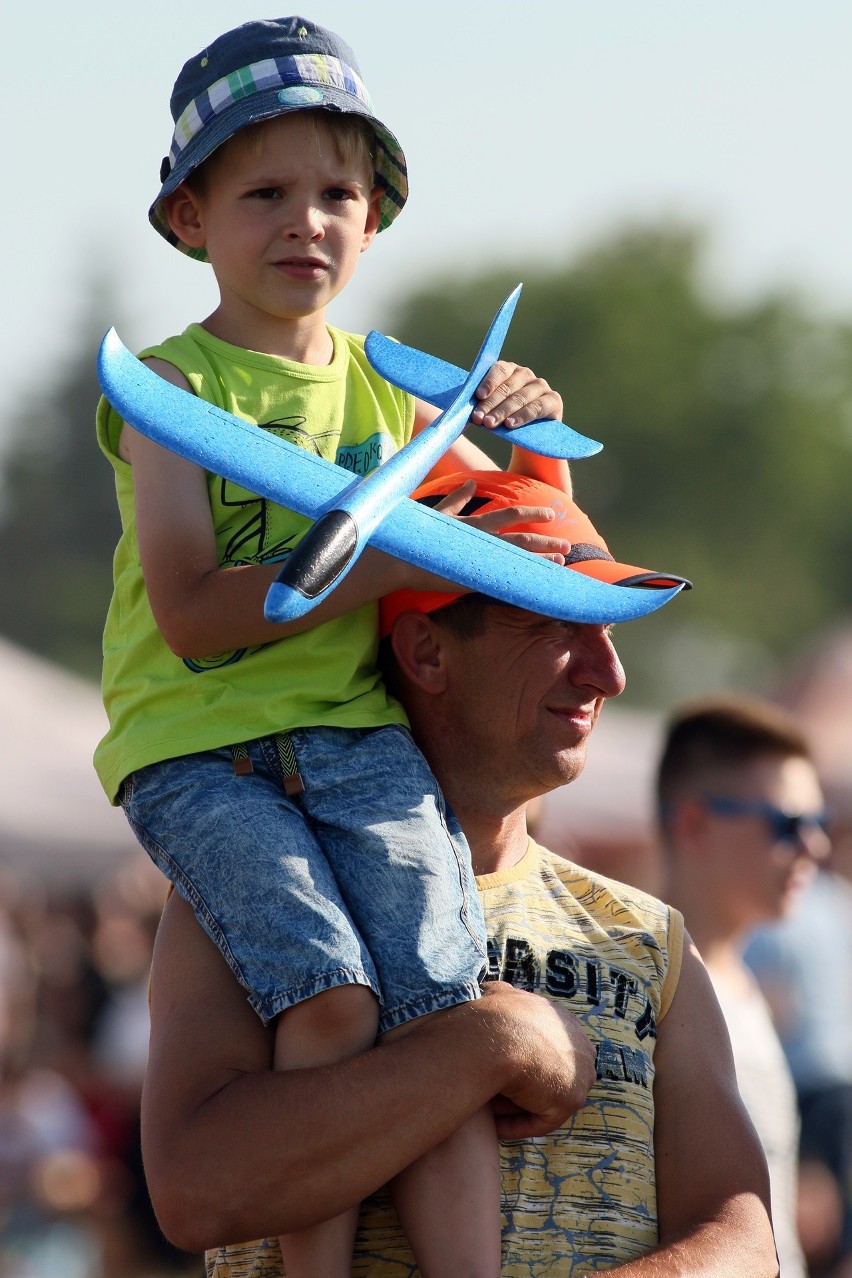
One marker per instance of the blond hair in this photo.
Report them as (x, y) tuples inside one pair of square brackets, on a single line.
[(351, 136)]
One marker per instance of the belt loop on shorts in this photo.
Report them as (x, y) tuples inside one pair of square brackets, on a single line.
[(242, 763), (292, 781)]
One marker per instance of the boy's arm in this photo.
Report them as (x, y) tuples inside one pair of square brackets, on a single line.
[(235, 1151), (200, 607), (712, 1183)]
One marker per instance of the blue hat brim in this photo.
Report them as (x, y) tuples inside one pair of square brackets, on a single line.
[(389, 160)]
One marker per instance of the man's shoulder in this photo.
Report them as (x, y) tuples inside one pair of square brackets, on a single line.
[(590, 886), (548, 906)]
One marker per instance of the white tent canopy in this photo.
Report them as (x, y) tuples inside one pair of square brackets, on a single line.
[(55, 820)]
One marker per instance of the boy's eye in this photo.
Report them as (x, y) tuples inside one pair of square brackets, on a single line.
[(265, 193), (338, 193)]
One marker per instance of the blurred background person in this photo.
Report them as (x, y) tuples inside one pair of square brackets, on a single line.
[(803, 964), (742, 823)]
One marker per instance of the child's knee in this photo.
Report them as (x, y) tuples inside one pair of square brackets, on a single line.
[(337, 1023)]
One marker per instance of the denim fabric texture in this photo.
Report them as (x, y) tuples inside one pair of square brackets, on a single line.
[(358, 880)]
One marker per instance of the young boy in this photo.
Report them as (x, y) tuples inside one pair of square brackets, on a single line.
[(264, 767)]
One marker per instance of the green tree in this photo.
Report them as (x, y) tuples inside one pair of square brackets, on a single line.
[(728, 457), (58, 516), (727, 446)]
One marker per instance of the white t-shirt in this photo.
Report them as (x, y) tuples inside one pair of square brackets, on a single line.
[(766, 1087)]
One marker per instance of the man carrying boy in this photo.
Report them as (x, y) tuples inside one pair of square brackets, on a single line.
[(658, 1175)]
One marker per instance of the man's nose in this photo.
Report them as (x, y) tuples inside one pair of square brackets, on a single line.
[(598, 664)]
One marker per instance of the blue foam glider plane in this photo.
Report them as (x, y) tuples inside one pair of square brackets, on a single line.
[(338, 537), (351, 511)]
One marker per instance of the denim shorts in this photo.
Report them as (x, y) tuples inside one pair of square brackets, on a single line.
[(362, 879)]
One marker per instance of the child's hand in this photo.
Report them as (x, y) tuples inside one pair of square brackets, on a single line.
[(512, 396), (499, 522)]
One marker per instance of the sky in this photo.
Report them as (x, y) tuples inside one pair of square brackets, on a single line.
[(532, 130)]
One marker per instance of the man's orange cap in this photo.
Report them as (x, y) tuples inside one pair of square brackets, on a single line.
[(497, 489)]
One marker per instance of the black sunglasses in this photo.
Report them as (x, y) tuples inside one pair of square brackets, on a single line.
[(785, 827)]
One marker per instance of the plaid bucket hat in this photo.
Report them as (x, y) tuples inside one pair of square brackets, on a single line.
[(497, 489), (258, 71)]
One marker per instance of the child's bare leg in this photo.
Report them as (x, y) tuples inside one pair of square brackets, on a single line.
[(329, 1027), (448, 1201)]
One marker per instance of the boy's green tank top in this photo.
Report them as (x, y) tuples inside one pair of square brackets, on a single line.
[(161, 706)]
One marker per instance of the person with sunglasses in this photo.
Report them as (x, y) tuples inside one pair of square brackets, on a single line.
[(743, 826)]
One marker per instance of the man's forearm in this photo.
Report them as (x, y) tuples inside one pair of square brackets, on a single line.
[(235, 1151), (270, 1152), (739, 1245)]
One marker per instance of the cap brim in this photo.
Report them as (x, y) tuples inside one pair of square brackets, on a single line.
[(628, 575), (496, 490), (426, 601)]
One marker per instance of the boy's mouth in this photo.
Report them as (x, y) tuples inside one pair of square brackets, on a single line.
[(301, 267)]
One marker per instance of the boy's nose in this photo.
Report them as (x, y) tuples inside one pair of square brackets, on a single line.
[(305, 223)]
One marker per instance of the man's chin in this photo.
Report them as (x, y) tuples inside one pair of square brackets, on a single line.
[(565, 767)]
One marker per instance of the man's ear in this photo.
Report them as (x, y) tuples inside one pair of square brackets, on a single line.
[(420, 651), (183, 214), (688, 820)]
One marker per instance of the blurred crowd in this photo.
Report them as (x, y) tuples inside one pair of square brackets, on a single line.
[(73, 1047)]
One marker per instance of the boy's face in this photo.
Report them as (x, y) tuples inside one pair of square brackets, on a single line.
[(283, 220)]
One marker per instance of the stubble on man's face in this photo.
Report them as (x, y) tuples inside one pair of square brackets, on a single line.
[(527, 693)]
